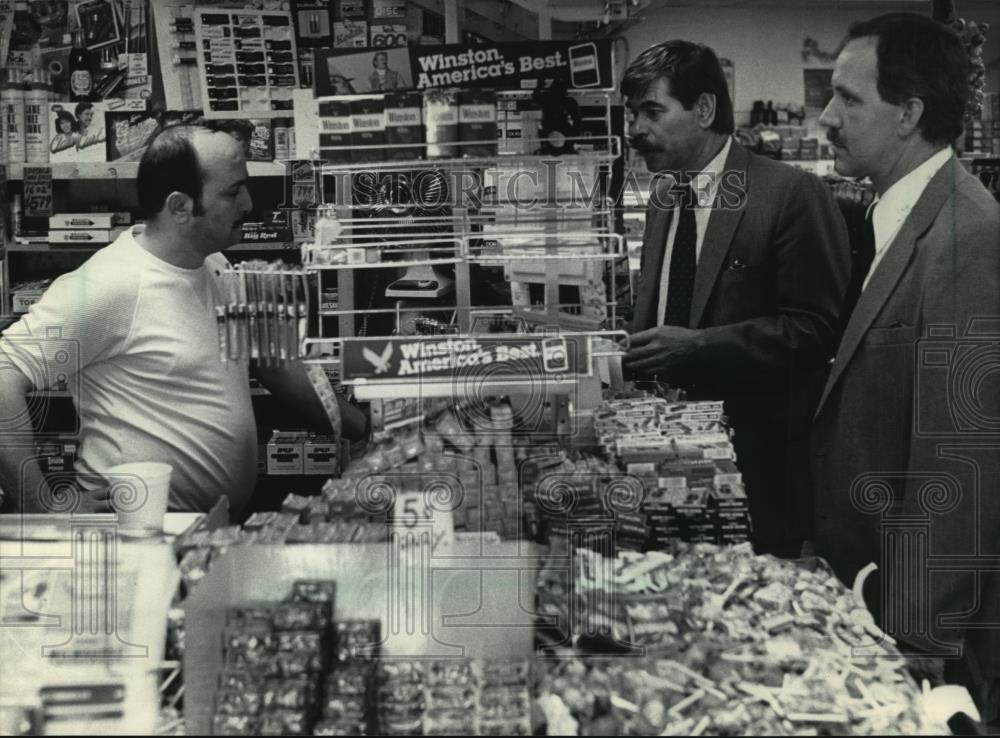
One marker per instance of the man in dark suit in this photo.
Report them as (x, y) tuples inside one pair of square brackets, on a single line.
[(744, 271), (905, 448)]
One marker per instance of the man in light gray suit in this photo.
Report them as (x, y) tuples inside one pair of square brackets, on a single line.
[(744, 271), (906, 440)]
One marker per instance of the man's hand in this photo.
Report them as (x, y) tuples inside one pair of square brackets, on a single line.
[(661, 349)]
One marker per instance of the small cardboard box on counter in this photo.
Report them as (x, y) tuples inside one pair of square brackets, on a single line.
[(320, 455), (285, 452)]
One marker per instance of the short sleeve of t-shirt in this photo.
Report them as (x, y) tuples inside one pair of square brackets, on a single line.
[(83, 317)]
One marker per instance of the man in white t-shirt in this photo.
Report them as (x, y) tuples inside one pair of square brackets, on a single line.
[(133, 331)]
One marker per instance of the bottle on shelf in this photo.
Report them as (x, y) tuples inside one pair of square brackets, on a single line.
[(81, 74), (36, 118), (12, 105)]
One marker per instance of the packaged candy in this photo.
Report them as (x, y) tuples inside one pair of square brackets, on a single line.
[(504, 727), (232, 702), (261, 612), (302, 615), (357, 639), (500, 671), (402, 693), (299, 641), (234, 725), (285, 694), (340, 727), (350, 707), (248, 639), (293, 664), (314, 590), (349, 678), (240, 680), (402, 726), (451, 698), (450, 672), (449, 722), (284, 722)]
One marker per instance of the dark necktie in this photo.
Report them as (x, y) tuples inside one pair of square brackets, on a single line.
[(683, 258), (862, 256)]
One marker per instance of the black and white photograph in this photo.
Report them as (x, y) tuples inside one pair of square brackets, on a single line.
[(560, 368)]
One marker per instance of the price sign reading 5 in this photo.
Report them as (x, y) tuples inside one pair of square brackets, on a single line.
[(425, 516), (412, 510)]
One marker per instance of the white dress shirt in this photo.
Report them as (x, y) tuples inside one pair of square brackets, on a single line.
[(706, 184), (891, 210)]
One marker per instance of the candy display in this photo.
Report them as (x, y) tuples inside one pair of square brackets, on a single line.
[(721, 642)]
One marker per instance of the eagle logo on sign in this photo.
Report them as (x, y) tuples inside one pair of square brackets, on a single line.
[(379, 361)]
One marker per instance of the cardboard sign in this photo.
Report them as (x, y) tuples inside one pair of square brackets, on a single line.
[(37, 192), (480, 360), (413, 513), (502, 66)]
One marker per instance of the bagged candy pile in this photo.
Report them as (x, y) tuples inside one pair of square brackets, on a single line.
[(717, 641)]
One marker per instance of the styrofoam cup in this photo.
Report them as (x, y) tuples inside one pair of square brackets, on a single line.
[(139, 493)]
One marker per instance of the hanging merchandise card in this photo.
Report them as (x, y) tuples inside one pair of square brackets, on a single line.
[(247, 62)]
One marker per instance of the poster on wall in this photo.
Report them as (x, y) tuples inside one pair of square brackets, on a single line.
[(585, 65), (818, 88)]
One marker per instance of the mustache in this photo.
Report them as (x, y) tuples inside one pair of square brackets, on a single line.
[(834, 138)]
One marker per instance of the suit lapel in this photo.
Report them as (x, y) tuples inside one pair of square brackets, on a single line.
[(892, 266), (654, 239), (718, 236)]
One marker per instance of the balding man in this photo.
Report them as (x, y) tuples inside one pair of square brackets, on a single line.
[(141, 314)]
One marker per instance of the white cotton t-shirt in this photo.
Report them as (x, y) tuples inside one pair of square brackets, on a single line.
[(137, 342)]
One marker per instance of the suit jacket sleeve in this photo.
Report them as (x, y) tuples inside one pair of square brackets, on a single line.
[(810, 262)]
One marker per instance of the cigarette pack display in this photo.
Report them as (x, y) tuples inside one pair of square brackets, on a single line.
[(440, 123), (368, 129), (335, 131), (404, 125), (477, 122)]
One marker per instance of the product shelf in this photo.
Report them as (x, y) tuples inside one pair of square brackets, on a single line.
[(123, 170)]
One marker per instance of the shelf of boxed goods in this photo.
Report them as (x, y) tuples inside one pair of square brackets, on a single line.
[(589, 158), (86, 248), (123, 170)]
